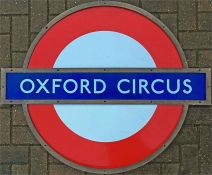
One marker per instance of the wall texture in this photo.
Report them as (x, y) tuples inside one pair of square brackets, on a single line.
[(189, 20)]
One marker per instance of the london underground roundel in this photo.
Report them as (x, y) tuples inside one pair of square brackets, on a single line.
[(105, 138)]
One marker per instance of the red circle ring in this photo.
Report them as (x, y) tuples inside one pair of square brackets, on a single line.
[(112, 156)]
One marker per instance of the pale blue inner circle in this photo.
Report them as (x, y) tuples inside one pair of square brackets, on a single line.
[(105, 123), (104, 49)]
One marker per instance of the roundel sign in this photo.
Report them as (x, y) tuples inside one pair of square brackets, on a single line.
[(96, 136), (104, 137)]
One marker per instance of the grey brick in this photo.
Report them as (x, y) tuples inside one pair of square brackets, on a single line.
[(4, 24), (38, 161), (191, 58), (205, 21), (100, 174), (4, 169), (22, 135), (63, 169), (72, 3), (205, 58), (20, 169), (199, 115), (19, 33), (5, 60), (18, 59), (171, 154), (159, 5), (205, 145), (56, 6), (133, 2), (13, 7), (18, 115), (187, 135), (157, 15), (4, 126), (51, 17), (206, 169), (13, 154), (148, 169), (38, 15), (33, 36), (205, 5), (196, 40), (53, 160), (189, 164), (170, 169), (187, 15), (171, 21)]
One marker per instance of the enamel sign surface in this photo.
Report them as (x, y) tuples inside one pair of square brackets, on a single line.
[(105, 87)]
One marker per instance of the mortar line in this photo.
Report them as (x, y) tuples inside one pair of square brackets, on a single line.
[(167, 162), (11, 41), (5, 144), (4, 106), (178, 20), (23, 126), (194, 30), (201, 49), (11, 63), (29, 43), (180, 158), (29, 23), (160, 169), (140, 3), (199, 166), (179, 146), (10, 15), (197, 26), (9, 163), (207, 12), (47, 157), (164, 13), (197, 57), (197, 18), (5, 33), (10, 168), (5, 163), (47, 162), (27, 144), (66, 4), (47, 3), (20, 126), (29, 161), (34, 33)]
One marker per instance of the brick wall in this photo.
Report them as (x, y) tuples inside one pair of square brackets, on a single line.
[(189, 153)]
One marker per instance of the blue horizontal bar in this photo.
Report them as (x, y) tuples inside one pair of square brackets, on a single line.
[(107, 86)]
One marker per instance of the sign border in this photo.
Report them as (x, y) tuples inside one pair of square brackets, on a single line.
[(207, 71)]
